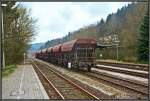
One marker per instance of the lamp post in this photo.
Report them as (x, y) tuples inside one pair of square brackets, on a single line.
[(3, 5), (24, 54)]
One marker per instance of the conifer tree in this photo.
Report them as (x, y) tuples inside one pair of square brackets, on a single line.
[(143, 41)]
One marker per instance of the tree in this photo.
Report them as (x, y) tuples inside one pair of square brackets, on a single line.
[(143, 41), (125, 23), (101, 22), (19, 30)]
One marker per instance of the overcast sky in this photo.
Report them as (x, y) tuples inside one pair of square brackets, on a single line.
[(56, 19)]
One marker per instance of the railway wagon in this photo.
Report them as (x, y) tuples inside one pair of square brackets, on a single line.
[(79, 53), (76, 54), (56, 54), (38, 54), (49, 53), (44, 55)]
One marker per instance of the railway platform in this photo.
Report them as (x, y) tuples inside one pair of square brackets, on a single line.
[(23, 83)]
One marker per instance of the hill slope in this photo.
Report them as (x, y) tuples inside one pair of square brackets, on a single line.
[(34, 47), (122, 26)]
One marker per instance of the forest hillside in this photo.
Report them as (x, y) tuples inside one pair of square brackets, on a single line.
[(120, 28)]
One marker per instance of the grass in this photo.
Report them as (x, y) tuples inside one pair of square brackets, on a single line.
[(8, 70), (143, 62)]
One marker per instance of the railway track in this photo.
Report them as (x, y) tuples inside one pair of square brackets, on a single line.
[(49, 87), (139, 73), (59, 87), (131, 86), (125, 65)]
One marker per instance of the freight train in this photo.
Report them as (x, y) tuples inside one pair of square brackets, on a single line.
[(76, 54)]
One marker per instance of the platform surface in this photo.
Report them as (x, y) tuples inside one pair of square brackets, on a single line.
[(23, 83)]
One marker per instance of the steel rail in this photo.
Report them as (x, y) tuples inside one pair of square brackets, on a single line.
[(118, 69), (49, 81), (117, 83), (120, 78), (125, 65), (80, 88)]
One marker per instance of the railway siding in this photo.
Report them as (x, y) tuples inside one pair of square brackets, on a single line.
[(136, 79), (143, 67), (139, 73), (138, 88)]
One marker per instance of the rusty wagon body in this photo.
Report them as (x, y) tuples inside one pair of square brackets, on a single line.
[(76, 54)]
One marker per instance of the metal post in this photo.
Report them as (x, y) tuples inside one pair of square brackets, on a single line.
[(24, 58), (117, 51), (1, 45), (116, 40), (3, 40)]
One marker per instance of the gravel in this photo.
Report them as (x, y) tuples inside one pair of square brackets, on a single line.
[(92, 83)]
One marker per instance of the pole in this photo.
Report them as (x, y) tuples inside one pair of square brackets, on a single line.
[(116, 40), (1, 45), (24, 58), (117, 51), (3, 40)]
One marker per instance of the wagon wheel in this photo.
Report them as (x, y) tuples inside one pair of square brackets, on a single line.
[(89, 68), (73, 66), (76, 67)]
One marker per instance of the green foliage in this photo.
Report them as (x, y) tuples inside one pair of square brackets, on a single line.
[(143, 41), (8, 70), (125, 23), (19, 30)]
